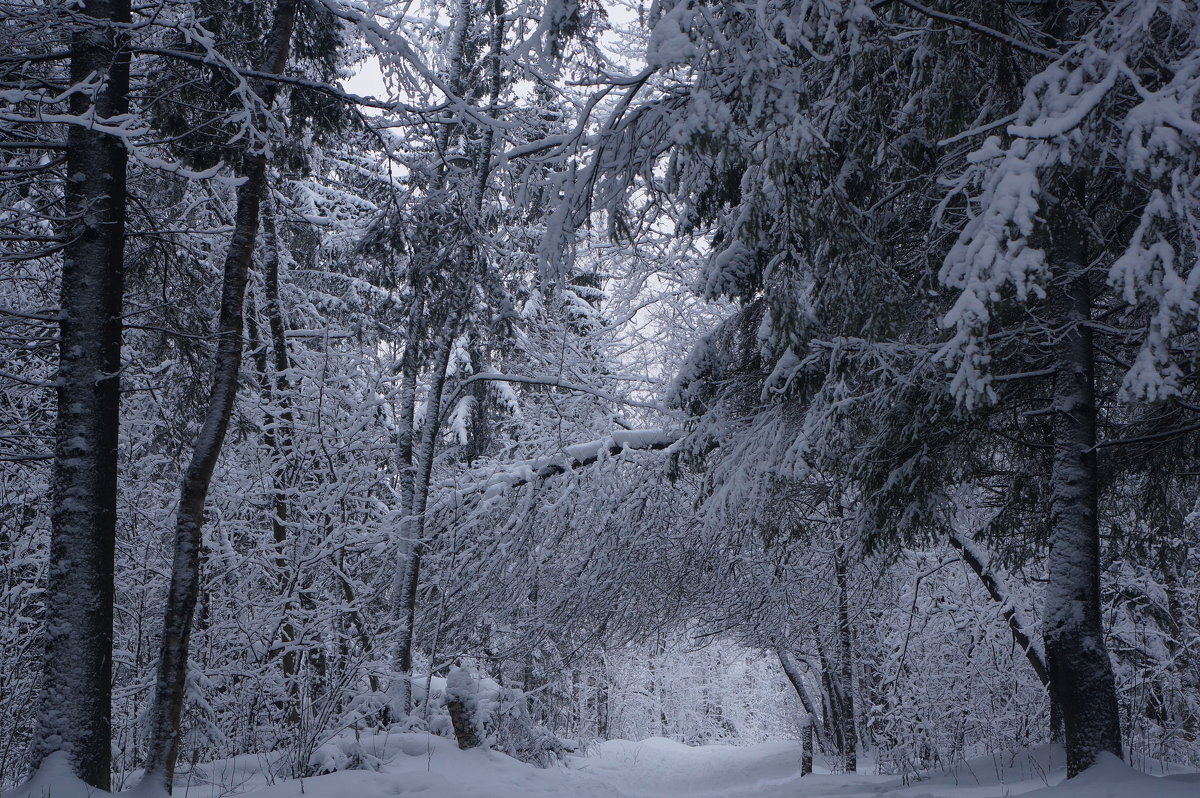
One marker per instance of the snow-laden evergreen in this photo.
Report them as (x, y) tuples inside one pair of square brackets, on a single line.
[(812, 374)]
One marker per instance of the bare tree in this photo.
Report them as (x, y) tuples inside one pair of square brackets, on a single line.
[(185, 572)]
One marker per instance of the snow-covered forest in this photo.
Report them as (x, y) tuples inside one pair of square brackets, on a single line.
[(599, 397)]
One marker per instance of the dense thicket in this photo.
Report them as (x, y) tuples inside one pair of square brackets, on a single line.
[(712, 370)]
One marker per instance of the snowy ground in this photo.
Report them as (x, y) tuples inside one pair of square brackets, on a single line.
[(657, 768), (432, 767)]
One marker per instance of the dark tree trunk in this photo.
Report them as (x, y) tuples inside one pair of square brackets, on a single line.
[(75, 712), (806, 747), (830, 706), (277, 438), (1080, 669), (185, 574), (461, 718), (844, 681)]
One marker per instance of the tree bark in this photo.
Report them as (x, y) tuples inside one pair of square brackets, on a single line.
[(809, 728), (75, 712), (1080, 670), (602, 700), (185, 573), (806, 747), (278, 440), (830, 705), (845, 677), (414, 522), (406, 469)]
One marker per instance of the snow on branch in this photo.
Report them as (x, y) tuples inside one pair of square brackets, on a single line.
[(317, 86), (972, 26), (1022, 629), (385, 40), (571, 458)]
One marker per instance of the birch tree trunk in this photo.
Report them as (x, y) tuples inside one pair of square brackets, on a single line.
[(1080, 670), (185, 572), (809, 728), (406, 468), (75, 712), (414, 524)]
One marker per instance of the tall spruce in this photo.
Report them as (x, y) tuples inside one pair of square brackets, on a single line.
[(75, 702)]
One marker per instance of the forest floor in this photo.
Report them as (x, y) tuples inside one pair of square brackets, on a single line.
[(656, 768), (432, 767)]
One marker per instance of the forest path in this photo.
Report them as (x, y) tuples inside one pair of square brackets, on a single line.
[(659, 768), (433, 767)]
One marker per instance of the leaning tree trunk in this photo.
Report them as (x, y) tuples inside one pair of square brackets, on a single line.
[(185, 572), (1022, 631), (1080, 670), (75, 712), (810, 728), (414, 523), (1017, 626)]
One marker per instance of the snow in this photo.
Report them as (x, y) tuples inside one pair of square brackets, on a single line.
[(670, 42), (431, 766), (54, 778), (1112, 778), (661, 768)]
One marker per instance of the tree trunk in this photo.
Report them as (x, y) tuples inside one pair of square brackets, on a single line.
[(406, 471), (414, 522), (1021, 633), (809, 726), (278, 440), (75, 712), (1020, 628), (1080, 670), (844, 682), (602, 700), (463, 723), (806, 747), (830, 706), (185, 572)]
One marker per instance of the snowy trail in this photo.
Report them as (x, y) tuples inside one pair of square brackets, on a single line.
[(433, 767), (658, 768)]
